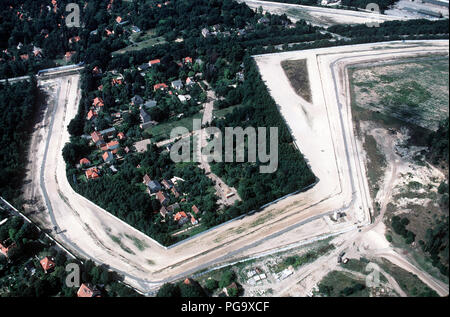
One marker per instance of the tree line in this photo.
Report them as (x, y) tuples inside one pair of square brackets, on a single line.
[(30, 280), (18, 105)]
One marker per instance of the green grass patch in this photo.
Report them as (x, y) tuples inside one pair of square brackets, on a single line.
[(298, 260), (297, 72), (409, 282), (119, 242), (162, 131), (376, 164), (141, 42), (192, 232), (223, 112), (403, 90), (141, 245), (356, 265), (342, 284)]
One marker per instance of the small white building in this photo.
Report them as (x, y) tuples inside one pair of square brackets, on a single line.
[(184, 98)]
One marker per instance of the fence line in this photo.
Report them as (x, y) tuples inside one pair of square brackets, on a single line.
[(17, 212)]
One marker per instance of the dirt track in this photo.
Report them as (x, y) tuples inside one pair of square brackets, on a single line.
[(324, 135)]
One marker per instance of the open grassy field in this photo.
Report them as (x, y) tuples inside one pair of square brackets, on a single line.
[(162, 130), (219, 113), (297, 72), (411, 90), (404, 95), (141, 40), (397, 95), (409, 282)]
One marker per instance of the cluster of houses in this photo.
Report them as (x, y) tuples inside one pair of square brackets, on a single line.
[(144, 106), (107, 141), (97, 105), (161, 190), (22, 52), (178, 84), (214, 30), (48, 265), (104, 139)]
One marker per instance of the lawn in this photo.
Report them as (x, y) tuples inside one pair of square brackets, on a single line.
[(162, 131), (297, 72), (223, 112), (142, 40)]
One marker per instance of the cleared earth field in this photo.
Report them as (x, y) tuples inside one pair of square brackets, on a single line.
[(396, 105), (331, 100)]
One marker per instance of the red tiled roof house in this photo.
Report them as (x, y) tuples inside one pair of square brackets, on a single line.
[(47, 264), (87, 290)]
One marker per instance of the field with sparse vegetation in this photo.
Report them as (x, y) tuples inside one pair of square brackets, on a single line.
[(397, 96), (297, 72), (402, 89)]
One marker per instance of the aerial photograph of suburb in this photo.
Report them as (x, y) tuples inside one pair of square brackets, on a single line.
[(226, 154)]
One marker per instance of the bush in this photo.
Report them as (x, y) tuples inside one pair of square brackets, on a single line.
[(211, 285), (227, 278), (291, 260), (232, 292), (443, 188), (169, 290), (399, 226), (193, 289)]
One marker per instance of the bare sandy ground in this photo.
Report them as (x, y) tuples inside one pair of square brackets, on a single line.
[(323, 132), (334, 93), (320, 15)]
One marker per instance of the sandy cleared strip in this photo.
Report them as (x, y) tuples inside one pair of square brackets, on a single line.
[(323, 132), (332, 75), (320, 15)]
